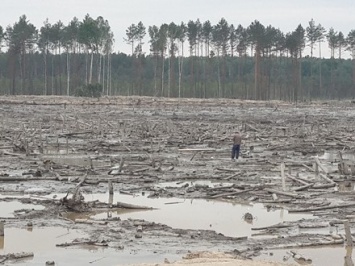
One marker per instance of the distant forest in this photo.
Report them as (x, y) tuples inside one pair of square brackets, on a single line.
[(257, 62)]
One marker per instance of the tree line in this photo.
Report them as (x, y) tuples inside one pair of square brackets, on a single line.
[(255, 62)]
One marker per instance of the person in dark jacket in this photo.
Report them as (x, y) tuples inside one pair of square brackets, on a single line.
[(237, 142)]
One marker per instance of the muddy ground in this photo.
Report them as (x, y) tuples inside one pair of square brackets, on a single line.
[(295, 157)]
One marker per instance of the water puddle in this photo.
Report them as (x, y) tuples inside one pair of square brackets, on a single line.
[(42, 242), (7, 209), (223, 217)]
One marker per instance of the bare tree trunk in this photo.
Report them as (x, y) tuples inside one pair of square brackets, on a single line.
[(300, 77), (91, 66), (60, 70), (68, 73), (169, 77), (219, 77), (99, 69), (110, 73), (52, 74), (181, 68), (257, 74), (45, 72), (86, 67), (155, 75), (320, 69), (162, 75), (103, 73)]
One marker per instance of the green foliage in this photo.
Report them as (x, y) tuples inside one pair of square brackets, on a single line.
[(90, 90), (60, 57)]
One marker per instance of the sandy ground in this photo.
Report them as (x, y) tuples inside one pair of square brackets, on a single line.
[(215, 259)]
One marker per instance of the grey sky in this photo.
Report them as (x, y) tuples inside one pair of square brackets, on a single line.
[(283, 14)]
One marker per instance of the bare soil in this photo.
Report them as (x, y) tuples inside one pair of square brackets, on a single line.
[(215, 259), (70, 146)]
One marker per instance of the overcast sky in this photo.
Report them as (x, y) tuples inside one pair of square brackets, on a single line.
[(283, 14)]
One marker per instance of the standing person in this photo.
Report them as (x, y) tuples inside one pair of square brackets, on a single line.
[(237, 141)]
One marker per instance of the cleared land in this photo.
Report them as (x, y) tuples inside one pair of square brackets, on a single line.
[(297, 157)]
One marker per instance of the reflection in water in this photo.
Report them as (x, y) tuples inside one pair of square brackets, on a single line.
[(224, 217), (347, 259)]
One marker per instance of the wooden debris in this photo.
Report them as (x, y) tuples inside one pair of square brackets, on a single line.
[(288, 194), (283, 176), (15, 256), (322, 208), (234, 193), (320, 165), (91, 243), (130, 206)]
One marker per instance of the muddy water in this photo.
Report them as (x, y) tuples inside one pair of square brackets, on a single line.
[(42, 242), (7, 209), (222, 217)]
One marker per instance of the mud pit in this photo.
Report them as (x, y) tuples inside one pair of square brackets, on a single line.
[(175, 189)]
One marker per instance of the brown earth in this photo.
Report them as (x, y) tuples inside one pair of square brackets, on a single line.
[(215, 259)]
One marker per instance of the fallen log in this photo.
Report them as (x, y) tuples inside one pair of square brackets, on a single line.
[(197, 149), (322, 208), (228, 170), (279, 201), (140, 170), (312, 244), (303, 187), (130, 206), (232, 176), (230, 193), (25, 178), (15, 256), (13, 154), (193, 156), (327, 179), (91, 243), (309, 168), (321, 186), (276, 226), (87, 221), (288, 194), (297, 180), (320, 165), (74, 133), (299, 258)]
